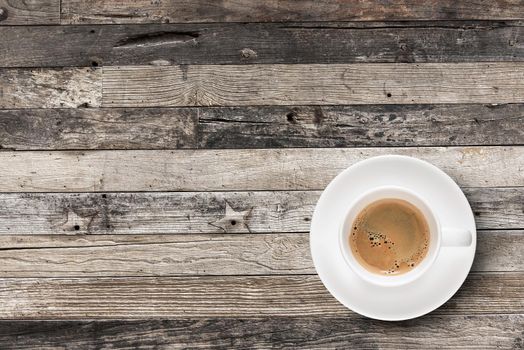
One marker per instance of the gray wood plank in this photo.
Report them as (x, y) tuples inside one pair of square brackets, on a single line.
[(29, 12), (60, 46), (259, 169), (65, 256), (177, 255), (224, 296), (205, 212), (262, 127), (105, 128), (499, 251), (145, 11), (347, 126), (445, 332), (50, 88), (150, 86), (319, 84)]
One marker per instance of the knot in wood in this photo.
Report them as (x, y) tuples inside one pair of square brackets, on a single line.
[(247, 54), (3, 13)]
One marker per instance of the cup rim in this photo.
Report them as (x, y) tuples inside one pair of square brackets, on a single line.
[(397, 280)]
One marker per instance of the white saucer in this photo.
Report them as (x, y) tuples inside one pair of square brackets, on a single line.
[(425, 294)]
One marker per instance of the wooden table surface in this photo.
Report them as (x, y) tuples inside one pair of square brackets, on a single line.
[(160, 162)]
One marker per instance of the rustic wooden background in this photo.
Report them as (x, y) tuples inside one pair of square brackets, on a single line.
[(160, 162)]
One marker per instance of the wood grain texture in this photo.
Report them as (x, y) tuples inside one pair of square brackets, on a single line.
[(177, 255), (65, 256), (212, 296), (164, 44), (29, 12), (348, 126), (144, 11), (205, 212), (319, 84), (50, 88), (444, 332), (105, 128), (261, 127), (499, 251), (260, 169)]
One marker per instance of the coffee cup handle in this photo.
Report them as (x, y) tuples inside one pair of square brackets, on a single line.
[(454, 237)]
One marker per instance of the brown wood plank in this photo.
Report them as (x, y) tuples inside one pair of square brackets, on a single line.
[(29, 12), (347, 126), (319, 84), (176, 255), (445, 332), (106, 128), (164, 44), (225, 296), (50, 88), (262, 127), (205, 212), (145, 11), (260, 169)]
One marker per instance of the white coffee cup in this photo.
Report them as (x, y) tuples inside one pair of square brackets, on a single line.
[(440, 237)]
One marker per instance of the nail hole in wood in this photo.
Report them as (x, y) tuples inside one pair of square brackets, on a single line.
[(77, 227), (388, 94), (233, 222), (291, 117)]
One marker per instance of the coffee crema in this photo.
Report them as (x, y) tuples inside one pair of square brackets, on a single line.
[(389, 237)]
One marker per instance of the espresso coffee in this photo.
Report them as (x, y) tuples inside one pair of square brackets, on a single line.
[(389, 237)]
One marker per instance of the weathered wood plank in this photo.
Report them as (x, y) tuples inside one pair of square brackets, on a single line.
[(176, 255), (499, 251), (105, 128), (346, 126), (319, 84), (497, 207), (150, 86), (262, 127), (144, 11), (25, 12), (445, 332), (225, 296), (63, 256), (50, 88), (259, 169), (164, 44), (205, 212)]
